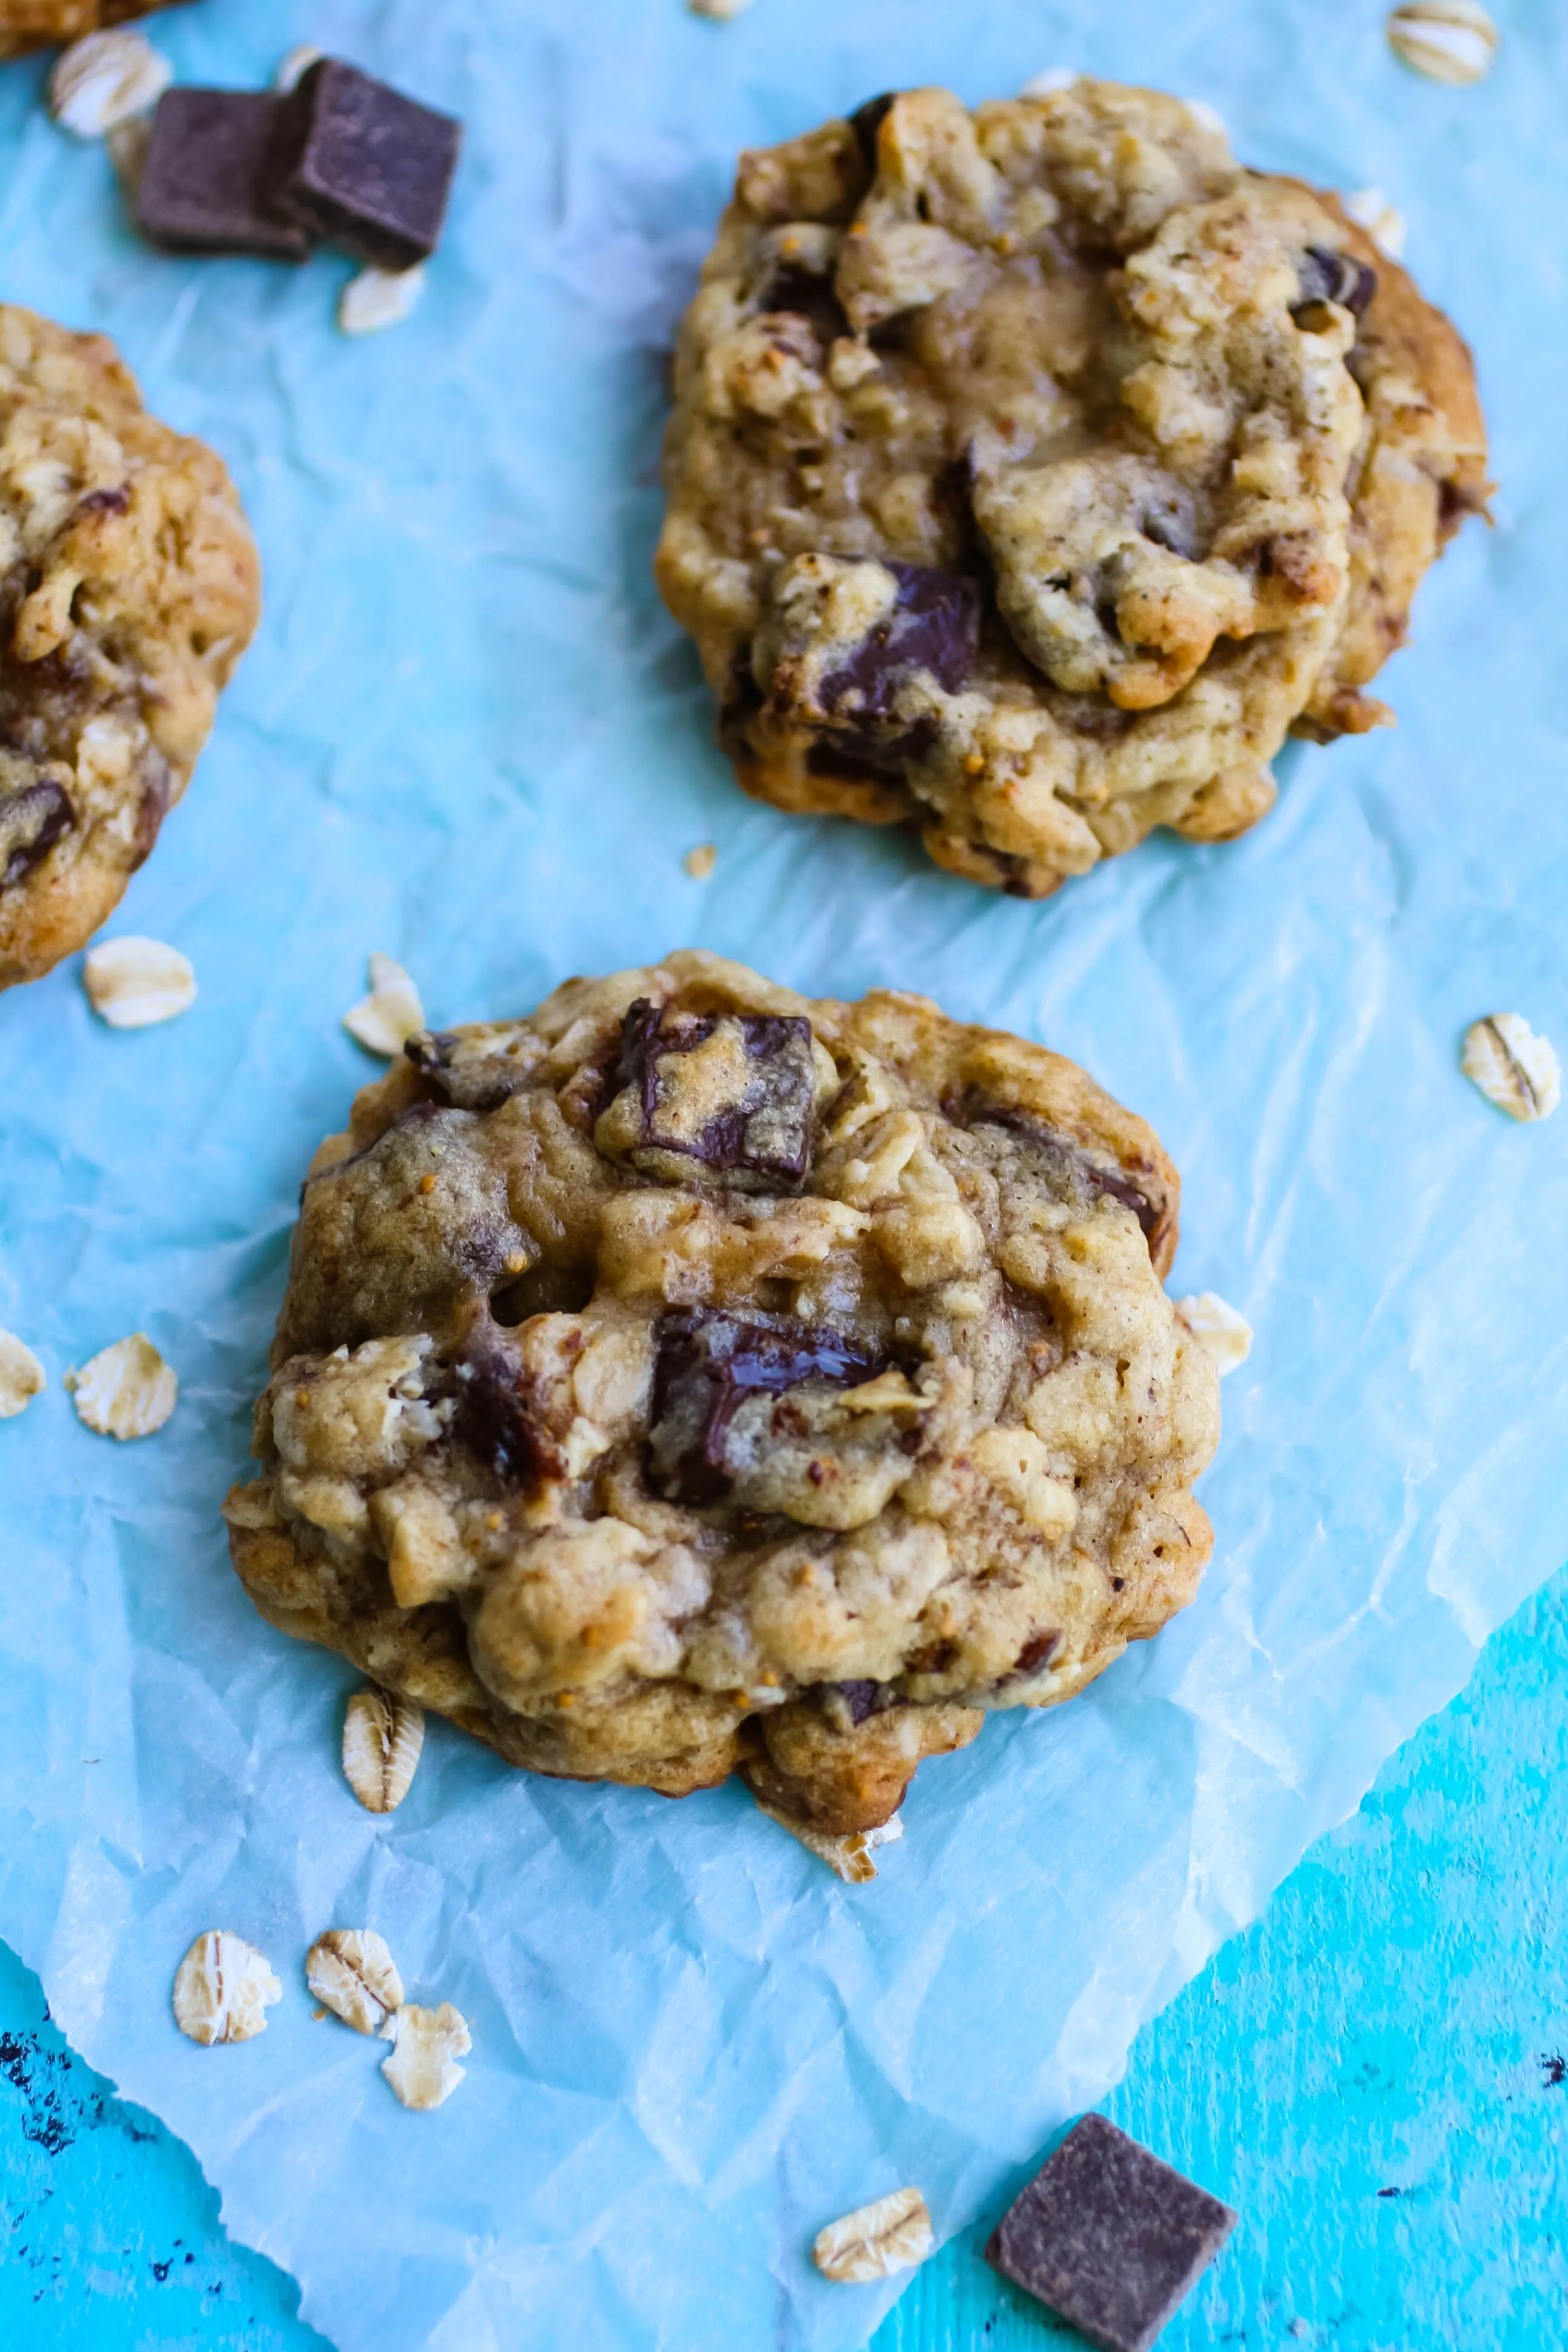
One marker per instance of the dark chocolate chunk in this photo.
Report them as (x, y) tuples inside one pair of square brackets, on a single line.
[(751, 1110), (31, 821), (706, 1364), (1110, 2237), (809, 294), (1068, 1161), (1325, 276), (116, 502), (355, 161), (200, 187), (1037, 1652), (493, 1418), (468, 1074), (934, 625), (868, 119), (848, 1705)]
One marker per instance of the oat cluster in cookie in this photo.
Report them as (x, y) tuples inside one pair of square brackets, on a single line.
[(129, 588), (1034, 470), (693, 1377)]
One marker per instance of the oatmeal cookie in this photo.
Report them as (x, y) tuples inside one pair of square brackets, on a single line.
[(695, 1377), (1033, 471), (49, 23), (129, 588)]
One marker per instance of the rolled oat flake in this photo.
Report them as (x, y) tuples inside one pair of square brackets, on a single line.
[(893, 2234), (1453, 41), (382, 1737), (223, 1988), (126, 1391), (351, 1973), (1513, 1066)]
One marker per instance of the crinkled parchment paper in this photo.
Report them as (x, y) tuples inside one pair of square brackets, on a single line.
[(468, 736)]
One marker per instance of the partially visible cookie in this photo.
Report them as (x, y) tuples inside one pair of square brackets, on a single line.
[(129, 588), (1035, 471), (49, 24), (693, 1377)]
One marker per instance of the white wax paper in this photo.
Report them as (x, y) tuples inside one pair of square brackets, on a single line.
[(467, 736)]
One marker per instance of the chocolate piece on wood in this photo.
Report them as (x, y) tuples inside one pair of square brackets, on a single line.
[(1110, 2237), (200, 187), (357, 162)]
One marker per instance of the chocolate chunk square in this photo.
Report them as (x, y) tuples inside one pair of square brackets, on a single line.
[(1110, 2237), (357, 162), (200, 187), (734, 1093)]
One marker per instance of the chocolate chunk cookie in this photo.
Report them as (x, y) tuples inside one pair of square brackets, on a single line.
[(47, 23), (694, 1377), (129, 588), (1033, 471)]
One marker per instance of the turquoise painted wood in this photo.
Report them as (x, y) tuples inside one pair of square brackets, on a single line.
[(1376, 2075)]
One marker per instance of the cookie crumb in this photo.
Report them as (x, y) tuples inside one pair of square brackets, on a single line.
[(22, 1377), (223, 1988), (384, 1021), (378, 298), (699, 862), (1384, 222), (133, 983), (893, 2234), (106, 79), (1218, 1330), (1046, 84), (719, 11), (1513, 1066), (351, 1973), (848, 1858), (382, 1737), (1454, 41), (126, 1391), (422, 2067), (294, 64)]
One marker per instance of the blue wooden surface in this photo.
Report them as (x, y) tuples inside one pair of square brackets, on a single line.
[(1376, 2075)]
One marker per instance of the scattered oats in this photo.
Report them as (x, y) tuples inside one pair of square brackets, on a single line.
[(127, 1391), (1045, 85), (849, 1858), (1218, 1330), (720, 10), (295, 66), (1209, 116), (422, 2067), (133, 983), (892, 2234), (1384, 222), (351, 1969), (223, 1988), (385, 1020), (1447, 41), (105, 79), (22, 1377), (699, 862), (1513, 1066), (379, 297), (382, 1739)]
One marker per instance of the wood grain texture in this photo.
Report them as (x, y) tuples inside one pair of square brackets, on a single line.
[(1375, 2074)]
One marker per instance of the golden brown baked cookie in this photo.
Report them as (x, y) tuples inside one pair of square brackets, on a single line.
[(129, 588), (48, 24), (695, 1377), (1035, 471)]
